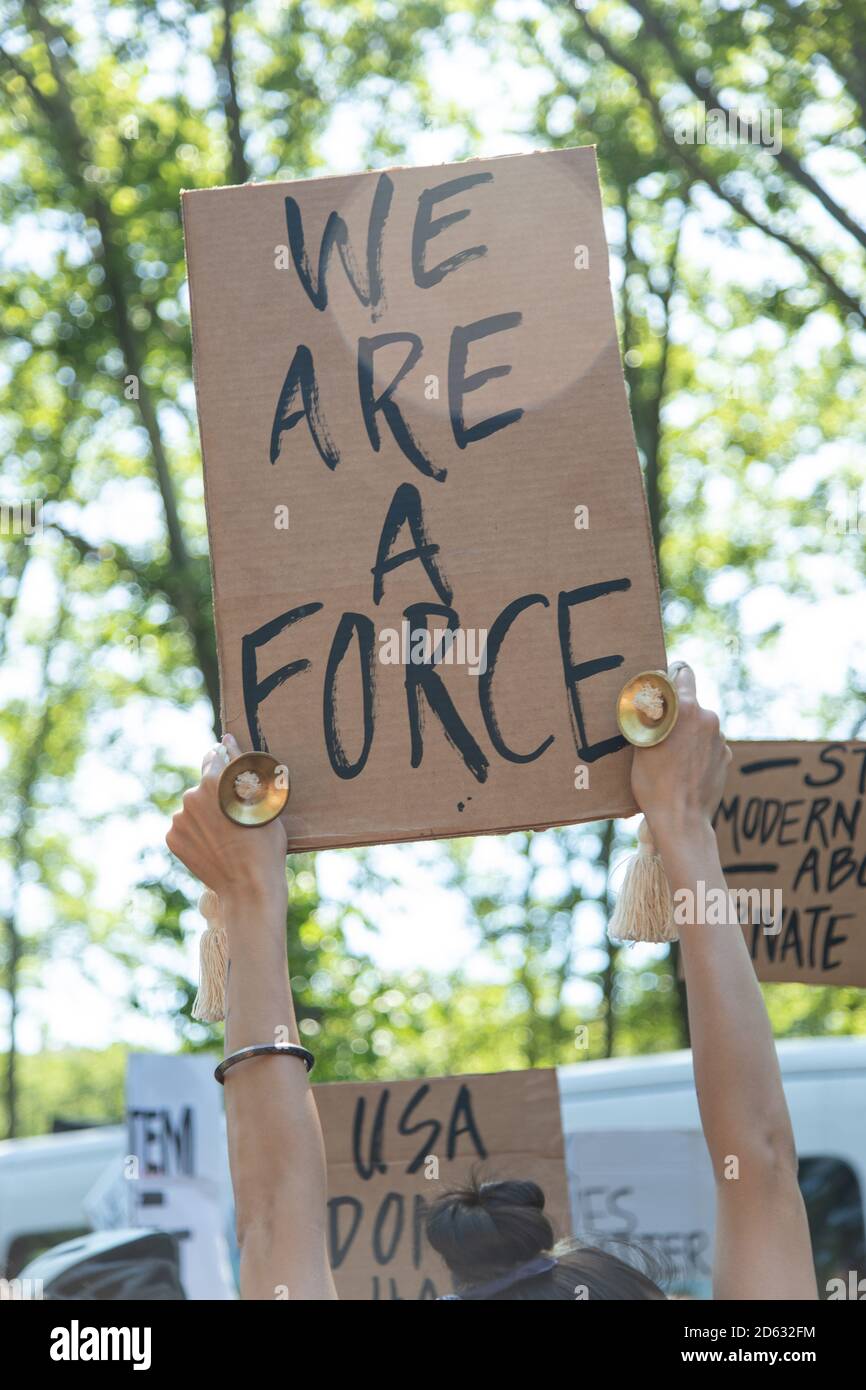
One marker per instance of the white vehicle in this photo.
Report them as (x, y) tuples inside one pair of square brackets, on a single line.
[(43, 1186), (637, 1166), (660, 1166)]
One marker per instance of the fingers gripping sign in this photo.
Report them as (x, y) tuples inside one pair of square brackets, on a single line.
[(683, 677), (217, 758)]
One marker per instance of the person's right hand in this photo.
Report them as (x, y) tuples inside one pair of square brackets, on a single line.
[(679, 782)]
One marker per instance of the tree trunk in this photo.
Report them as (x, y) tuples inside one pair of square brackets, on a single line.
[(608, 979), (240, 170)]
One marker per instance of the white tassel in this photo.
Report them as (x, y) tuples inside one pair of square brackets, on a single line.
[(210, 1002), (644, 907)]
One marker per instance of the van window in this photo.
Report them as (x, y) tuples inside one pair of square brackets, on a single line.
[(834, 1205)]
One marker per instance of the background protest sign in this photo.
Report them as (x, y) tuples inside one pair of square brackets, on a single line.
[(652, 1190), (393, 1147), (792, 821), (177, 1178), (413, 417)]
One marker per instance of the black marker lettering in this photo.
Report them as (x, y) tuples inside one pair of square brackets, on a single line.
[(422, 678), (574, 674), (426, 229), (336, 234), (789, 821), (372, 405), (817, 812), (406, 509), (845, 821), (433, 1128), (384, 1249), (302, 376), (495, 637), (340, 1242), (375, 1163), (350, 624), (460, 385), (463, 1122), (256, 691), (827, 756)]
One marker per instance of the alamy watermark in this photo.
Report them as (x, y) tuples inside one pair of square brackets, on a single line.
[(725, 907), (21, 1290), (463, 646), (854, 1288), (77, 1343), (21, 520), (849, 517), (720, 126)]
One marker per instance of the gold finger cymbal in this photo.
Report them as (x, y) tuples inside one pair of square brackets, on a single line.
[(647, 708), (253, 789)]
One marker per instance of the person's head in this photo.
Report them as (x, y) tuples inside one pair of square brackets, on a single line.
[(498, 1245)]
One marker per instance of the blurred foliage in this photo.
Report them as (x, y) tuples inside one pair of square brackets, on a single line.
[(72, 1084), (745, 390)]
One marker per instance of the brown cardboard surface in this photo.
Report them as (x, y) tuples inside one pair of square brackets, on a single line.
[(380, 1138), (793, 818), (501, 508)]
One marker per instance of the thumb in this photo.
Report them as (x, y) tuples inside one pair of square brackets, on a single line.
[(231, 745), (683, 677)]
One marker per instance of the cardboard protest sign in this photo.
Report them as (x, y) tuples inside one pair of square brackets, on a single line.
[(792, 826), (393, 1147), (431, 558), (651, 1191)]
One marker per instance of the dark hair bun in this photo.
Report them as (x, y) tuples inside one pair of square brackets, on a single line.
[(486, 1228)]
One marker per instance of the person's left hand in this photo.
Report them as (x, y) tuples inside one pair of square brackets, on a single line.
[(234, 860)]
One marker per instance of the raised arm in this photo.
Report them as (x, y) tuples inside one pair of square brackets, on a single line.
[(763, 1250), (276, 1152)]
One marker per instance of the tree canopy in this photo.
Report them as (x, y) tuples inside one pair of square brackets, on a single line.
[(740, 282)]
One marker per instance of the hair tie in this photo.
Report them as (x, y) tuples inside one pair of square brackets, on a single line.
[(542, 1264)]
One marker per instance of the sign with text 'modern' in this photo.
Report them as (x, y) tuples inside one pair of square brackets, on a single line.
[(431, 557), (792, 830)]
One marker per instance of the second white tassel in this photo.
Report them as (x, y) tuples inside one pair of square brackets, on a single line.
[(644, 908)]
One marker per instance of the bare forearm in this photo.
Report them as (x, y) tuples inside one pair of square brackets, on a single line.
[(275, 1143), (762, 1235), (739, 1086), (259, 997), (276, 1152)]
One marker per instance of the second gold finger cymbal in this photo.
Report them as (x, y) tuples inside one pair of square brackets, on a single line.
[(647, 708), (253, 789)]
